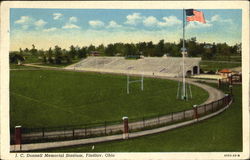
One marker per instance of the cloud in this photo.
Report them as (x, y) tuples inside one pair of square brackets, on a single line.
[(213, 21), (133, 19), (113, 24), (150, 21), (57, 16), (215, 18), (40, 23), (96, 23), (70, 26), (169, 21), (73, 19), (23, 20), (25, 26), (50, 29), (218, 18), (196, 25)]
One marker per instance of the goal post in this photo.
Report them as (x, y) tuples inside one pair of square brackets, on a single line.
[(134, 81), (129, 81)]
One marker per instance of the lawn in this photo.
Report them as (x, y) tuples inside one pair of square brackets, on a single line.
[(222, 133), (214, 66), (49, 98), (15, 66)]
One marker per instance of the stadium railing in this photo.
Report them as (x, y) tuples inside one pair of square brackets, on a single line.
[(36, 135)]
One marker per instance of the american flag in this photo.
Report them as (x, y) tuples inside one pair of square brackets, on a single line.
[(194, 15)]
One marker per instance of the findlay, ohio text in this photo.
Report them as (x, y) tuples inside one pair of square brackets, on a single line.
[(78, 155)]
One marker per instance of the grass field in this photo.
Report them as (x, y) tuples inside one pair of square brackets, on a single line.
[(222, 133), (46, 98), (214, 66)]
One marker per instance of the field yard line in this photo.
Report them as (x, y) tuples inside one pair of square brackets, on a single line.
[(35, 100)]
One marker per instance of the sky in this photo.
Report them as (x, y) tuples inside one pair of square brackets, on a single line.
[(64, 27)]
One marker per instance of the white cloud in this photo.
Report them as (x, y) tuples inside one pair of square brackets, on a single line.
[(150, 21), (209, 23), (40, 23), (169, 21), (113, 24), (134, 19), (25, 26), (70, 26), (73, 19), (96, 23), (57, 16), (50, 29), (196, 25), (23, 20), (217, 18)]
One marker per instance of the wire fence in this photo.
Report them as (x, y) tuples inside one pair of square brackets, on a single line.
[(33, 135)]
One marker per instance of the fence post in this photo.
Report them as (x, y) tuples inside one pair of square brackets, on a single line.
[(125, 123), (226, 100), (143, 120), (184, 114), (18, 138), (172, 117), (158, 119), (73, 132), (105, 125), (195, 111), (43, 131), (214, 105), (219, 83), (85, 129), (205, 108)]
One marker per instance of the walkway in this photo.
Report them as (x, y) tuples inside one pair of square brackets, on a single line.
[(41, 146)]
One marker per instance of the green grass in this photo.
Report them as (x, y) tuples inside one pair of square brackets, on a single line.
[(222, 133), (15, 66), (214, 66), (46, 98)]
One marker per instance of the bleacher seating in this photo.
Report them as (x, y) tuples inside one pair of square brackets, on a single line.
[(168, 66)]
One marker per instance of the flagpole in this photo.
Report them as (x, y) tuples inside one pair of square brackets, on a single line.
[(183, 57)]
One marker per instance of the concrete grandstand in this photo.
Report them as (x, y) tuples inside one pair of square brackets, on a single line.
[(165, 66)]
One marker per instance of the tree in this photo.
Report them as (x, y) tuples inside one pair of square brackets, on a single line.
[(101, 49), (160, 48), (130, 49), (42, 54), (33, 50), (82, 53), (72, 51), (110, 50), (16, 57), (91, 48), (49, 55), (66, 56), (58, 55), (150, 49)]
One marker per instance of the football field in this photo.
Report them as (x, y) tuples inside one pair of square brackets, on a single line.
[(50, 98)]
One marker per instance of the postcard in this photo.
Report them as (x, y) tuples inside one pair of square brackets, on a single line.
[(124, 80)]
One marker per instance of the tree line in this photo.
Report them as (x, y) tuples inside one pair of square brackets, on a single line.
[(57, 55)]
